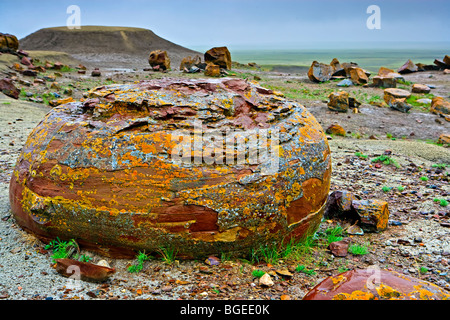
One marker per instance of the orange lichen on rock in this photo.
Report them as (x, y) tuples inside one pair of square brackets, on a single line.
[(375, 284)]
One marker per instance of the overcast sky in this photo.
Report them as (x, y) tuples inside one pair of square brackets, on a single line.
[(247, 23)]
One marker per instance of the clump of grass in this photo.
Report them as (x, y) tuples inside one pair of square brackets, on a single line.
[(423, 270), (257, 273), (141, 258), (62, 249), (386, 188), (386, 160), (342, 269), (358, 249), (66, 69), (302, 268), (404, 82), (168, 254), (334, 234), (375, 98), (85, 258), (270, 253), (401, 188), (423, 178), (291, 250), (439, 165), (361, 155), (442, 202)]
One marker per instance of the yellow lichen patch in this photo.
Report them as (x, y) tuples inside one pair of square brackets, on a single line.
[(423, 294), (355, 295), (387, 292), (338, 281)]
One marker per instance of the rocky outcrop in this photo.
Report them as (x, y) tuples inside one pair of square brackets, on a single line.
[(140, 167)]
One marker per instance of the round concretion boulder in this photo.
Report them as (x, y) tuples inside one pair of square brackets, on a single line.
[(204, 166)]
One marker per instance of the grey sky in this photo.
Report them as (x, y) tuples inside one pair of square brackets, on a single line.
[(244, 23)]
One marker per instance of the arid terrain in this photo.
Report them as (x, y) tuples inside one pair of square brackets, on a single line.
[(416, 242)]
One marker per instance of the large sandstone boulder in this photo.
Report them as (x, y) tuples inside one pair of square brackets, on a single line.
[(392, 94), (384, 82), (8, 43), (338, 101), (212, 70), (386, 78), (358, 76), (320, 72), (219, 56), (341, 101), (189, 62), (145, 166), (375, 284), (371, 215), (408, 67), (159, 59), (441, 107)]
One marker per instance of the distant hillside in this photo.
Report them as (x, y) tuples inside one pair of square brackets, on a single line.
[(106, 46)]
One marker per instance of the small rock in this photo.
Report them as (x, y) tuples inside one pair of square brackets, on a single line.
[(103, 263), (96, 73), (167, 288), (284, 273), (336, 129), (345, 83), (29, 73), (339, 248), (212, 261), (86, 271), (424, 101), (266, 280), (420, 88), (355, 230), (9, 89)]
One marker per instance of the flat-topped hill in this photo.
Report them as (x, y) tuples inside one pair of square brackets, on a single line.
[(105, 46)]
